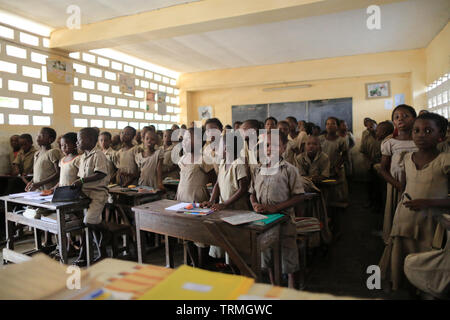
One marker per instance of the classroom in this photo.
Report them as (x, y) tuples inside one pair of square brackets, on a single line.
[(224, 150)]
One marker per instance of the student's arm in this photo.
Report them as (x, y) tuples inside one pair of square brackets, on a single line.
[(95, 177), (52, 178), (212, 176), (15, 169), (159, 175), (420, 204), (243, 189), (214, 197), (274, 208), (386, 173)]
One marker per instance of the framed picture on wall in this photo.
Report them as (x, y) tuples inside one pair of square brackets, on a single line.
[(205, 112), (377, 90)]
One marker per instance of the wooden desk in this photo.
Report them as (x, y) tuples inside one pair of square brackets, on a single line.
[(60, 228), (244, 243)]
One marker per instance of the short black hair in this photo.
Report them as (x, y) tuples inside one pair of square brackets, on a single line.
[(309, 127), (253, 123), (237, 122), (389, 124), (216, 122), (228, 127), (271, 118), (26, 137), (334, 118), (292, 118), (107, 134), (92, 133), (129, 127), (439, 120), (51, 132), (404, 106), (70, 137)]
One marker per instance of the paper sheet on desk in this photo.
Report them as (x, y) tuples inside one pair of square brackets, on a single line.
[(244, 218), (178, 207), (23, 194)]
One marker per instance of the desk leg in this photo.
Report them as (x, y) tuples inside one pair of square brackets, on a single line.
[(277, 261), (62, 238), (256, 259), (169, 252), (140, 236), (38, 238), (10, 228)]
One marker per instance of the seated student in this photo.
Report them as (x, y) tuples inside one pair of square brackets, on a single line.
[(15, 146), (313, 163), (289, 154), (46, 160), (93, 180), (116, 143), (127, 172), (104, 140), (169, 169), (149, 162), (228, 127), (277, 188)]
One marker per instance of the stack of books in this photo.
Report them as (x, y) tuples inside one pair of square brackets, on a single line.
[(307, 224)]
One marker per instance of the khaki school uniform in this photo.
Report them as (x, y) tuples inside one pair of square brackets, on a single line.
[(300, 140), (44, 166), (396, 149), (170, 169), (319, 166), (91, 162), (413, 231), (371, 148), (228, 180), (334, 149), (12, 156), (210, 156), (148, 168), (25, 161), (272, 186), (444, 146), (69, 171), (126, 162), (193, 180), (111, 156)]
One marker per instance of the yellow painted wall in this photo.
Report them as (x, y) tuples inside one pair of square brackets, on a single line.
[(330, 78), (438, 55)]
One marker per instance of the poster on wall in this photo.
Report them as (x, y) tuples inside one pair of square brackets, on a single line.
[(126, 83), (205, 112), (378, 90), (150, 100), (59, 71), (162, 107)]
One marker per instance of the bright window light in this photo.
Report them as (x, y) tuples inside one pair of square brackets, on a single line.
[(18, 119), (139, 94), (145, 84), (128, 114), (41, 120), (134, 125), (8, 67), (7, 102), (74, 55), (42, 90), (128, 68), (45, 42), (95, 72), (95, 98), (103, 62), (122, 102), (88, 57), (115, 89), (74, 108), (47, 105), (157, 77), (2, 118), (31, 72), (38, 58), (80, 123), (34, 105), (6, 32), (121, 124), (79, 68), (102, 86), (110, 124), (149, 116), (97, 123), (110, 75), (116, 113), (25, 24), (149, 75), (81, 96), (139, 72), (110, 100), (139, 115), (134, 104), (29, 39), (88, 110), (103, 112), (87, 84), (17, 86), (116, 65)]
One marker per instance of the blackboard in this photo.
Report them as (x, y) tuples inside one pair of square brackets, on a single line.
[(249, 111), (316, 111), (320, 110), (281, 111)]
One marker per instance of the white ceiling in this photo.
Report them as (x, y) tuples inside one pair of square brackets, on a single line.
[(53, 12), (404, 25)]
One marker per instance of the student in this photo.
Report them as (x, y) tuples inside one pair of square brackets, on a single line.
[(276, 188), (365, 133), (93, 181), (127, 172), (139, 139), (23, 164), (292, 127), (70, 163), (195, 174), (270, 123), (392, 167), (160, 136), (313, 163), (301, 137), (350, 140), (15, 146), (104, 140), (336, 148), (370, 148), (213, 131), (46, 160), (289, 154), (116, 143), (237, 125), (169, 169), (249, 154), (424, 200), (444, 146), (149, 162), (228, 127), (316, 131)]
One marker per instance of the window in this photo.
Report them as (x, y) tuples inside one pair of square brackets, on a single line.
[(41, 121), (16, 52), (438, 95), (88, 110), (31, 72), (8, 67), (29, 39), (81, 123), (103, 112), (19, 86), (35, 105), (18, 119)]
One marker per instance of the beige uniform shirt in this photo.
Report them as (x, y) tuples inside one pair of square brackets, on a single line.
[(44, 166), (228, 180), (397, 149), (25, 161), (333, 149), (90, 163), (320, 166), (371, 148), (277, 184), (170, 169), (69, 171), (111, 156), (12, 157), (148, 168), (125, 160), (193, 180)]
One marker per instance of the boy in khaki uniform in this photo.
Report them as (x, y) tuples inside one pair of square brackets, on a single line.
[(15, 145), (104, 141), (313, 163), (277, 188), (93, 173), (127, 172), (46, 162), (23, 163)]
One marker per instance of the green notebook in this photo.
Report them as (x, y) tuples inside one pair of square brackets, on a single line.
[(270, 218)]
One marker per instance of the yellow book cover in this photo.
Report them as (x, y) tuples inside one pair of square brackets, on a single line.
[(188, 283)]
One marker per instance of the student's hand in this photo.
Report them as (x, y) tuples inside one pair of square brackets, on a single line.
[(417, 204), (218, 206), (206, 204), (161, 187), (269, 208), (29, 186), (259, 207), (398, 185), (77, 184)]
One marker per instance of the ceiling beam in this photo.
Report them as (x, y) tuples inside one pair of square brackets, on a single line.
[(194, 18)]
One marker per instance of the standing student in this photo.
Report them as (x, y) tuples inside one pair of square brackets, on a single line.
[(169, 169), (288, 154), (149, 162), (15, 148), (237, 125), (116, 143), (276, 188), (93, 181), (69, 164), (444, 145), (138, 139), (313, 163), (392, 169), (365, 133), (350, 140), (213, 131), (424, 200), (370, 148), (336, 148), (104, 141), (23, 164), (127, 170), (46, 160)]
